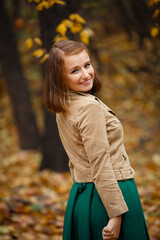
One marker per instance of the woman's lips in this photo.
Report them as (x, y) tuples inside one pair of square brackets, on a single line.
[(86, 82)]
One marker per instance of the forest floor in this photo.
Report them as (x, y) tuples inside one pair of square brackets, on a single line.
[(32, 202)]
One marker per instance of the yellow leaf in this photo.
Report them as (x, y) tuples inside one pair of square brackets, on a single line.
[(61, 28), (77, 27), (39, 7), (154, 32), (38, 41), (42, 5), (156, 1), (68, 23), (59, 38), (28, 43), (60, 2), (36, 1), (156, 13), (76, 17), (51, 3), (44, 58), (46, 5), (150, 3), (90, 31), (38, 53), (84, 35)]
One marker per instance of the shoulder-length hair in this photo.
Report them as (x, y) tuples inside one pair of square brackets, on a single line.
[(55, 90)]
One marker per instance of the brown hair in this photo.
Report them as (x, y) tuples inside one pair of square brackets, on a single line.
[(55, 89)]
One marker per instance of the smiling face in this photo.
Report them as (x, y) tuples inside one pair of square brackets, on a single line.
[(79, 71)]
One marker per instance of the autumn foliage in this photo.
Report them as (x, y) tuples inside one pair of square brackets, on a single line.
[(32, 202)]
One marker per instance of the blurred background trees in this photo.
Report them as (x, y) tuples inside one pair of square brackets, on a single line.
[(124, 41), (23, 74), (16, 82)]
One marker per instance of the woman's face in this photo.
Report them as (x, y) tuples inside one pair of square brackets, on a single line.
[(79, 72)]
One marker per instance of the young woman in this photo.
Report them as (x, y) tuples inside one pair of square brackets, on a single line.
[(103, 202)]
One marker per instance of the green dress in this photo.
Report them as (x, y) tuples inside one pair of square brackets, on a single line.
[(85, 215)]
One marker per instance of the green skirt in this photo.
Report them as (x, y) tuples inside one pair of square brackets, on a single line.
[(85, 215)]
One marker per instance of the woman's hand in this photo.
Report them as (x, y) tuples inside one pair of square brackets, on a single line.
[(112, 230)]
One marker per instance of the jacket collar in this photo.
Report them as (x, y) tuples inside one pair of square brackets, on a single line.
[(74, 94)]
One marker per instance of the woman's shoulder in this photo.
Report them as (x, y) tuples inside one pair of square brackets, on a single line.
[(80, 100)]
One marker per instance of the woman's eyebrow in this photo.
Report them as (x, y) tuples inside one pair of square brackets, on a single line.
[(74, 67)]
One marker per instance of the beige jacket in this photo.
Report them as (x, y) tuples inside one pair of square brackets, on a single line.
[(93, 139)]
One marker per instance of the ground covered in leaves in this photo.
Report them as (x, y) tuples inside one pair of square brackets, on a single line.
[(32, 203)]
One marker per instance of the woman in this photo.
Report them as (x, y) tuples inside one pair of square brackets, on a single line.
[(103, 202)]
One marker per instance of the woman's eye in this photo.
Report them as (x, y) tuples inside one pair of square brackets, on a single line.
[(87, 65), (74, 71)]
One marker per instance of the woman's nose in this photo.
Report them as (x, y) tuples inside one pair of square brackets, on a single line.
[(85, 74)]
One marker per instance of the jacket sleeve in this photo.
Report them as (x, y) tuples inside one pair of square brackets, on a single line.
[(92, 129)]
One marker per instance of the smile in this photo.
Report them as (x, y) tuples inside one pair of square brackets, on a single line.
[(86, 82)]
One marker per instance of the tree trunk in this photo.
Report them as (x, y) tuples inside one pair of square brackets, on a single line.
[(18, 92), (54, 156), (16, 8)]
